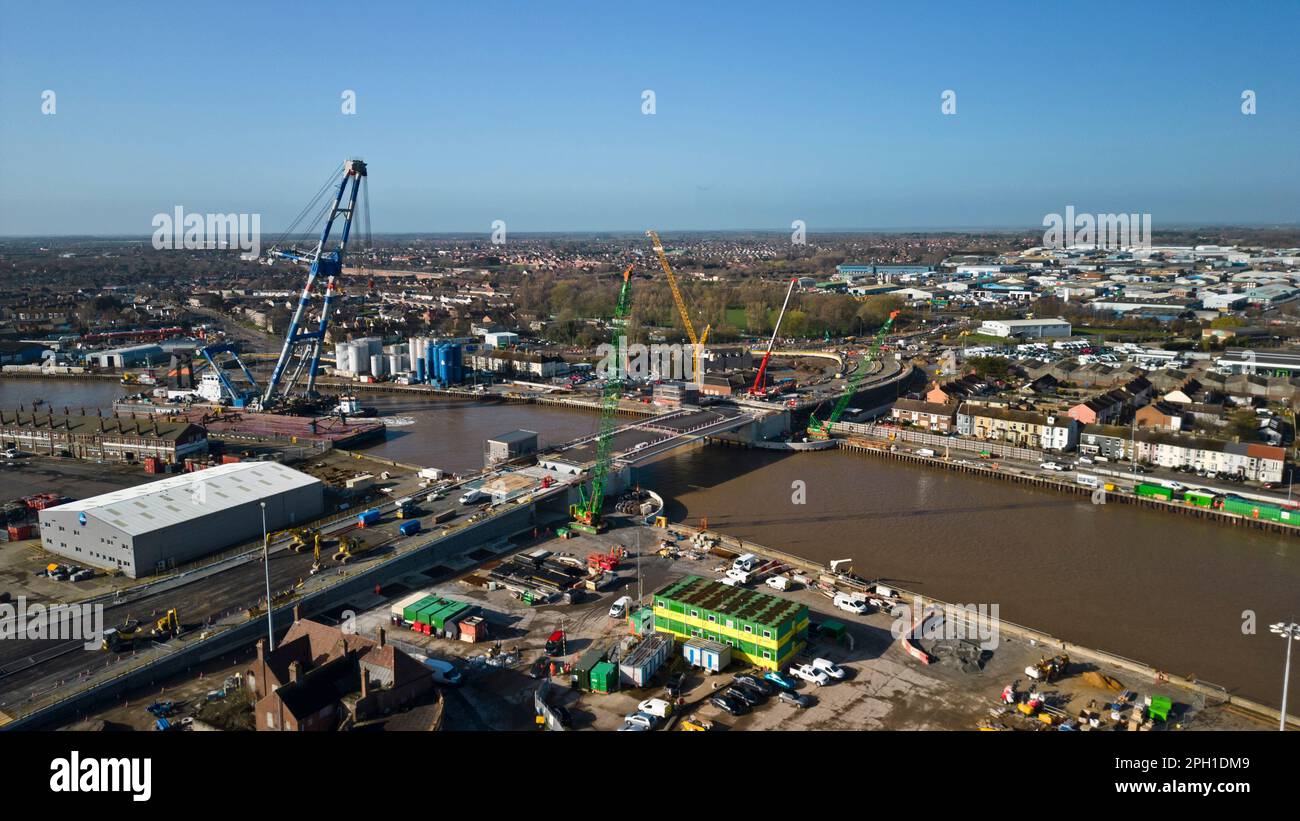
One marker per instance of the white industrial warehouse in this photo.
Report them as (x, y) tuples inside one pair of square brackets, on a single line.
[(157, 525)]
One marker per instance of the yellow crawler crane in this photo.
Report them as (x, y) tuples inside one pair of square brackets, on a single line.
[(697, 343)]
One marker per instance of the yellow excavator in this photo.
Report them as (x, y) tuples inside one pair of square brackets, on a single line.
[(350, 548), (122, 637), (125, 635), (169, 626), (1048, 670)]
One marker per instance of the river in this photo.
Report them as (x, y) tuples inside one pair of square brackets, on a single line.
[(1162, 589)]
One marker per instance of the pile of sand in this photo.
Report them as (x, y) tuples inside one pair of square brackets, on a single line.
[(1102, 682)]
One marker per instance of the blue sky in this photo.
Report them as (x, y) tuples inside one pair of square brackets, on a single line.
[(766, 113)]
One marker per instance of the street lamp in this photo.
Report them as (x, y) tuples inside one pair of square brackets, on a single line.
[(266, 565), (1287, 630)]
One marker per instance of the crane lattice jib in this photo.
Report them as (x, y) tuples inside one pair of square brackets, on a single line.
[(302, 344), (824, 428), (590, 505), (672, 282)]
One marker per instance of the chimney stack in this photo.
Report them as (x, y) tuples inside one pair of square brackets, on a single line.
[(296, 616), (295, 671), (365, 683), (383, 635)]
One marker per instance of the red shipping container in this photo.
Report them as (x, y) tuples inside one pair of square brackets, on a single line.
[(229, 460)]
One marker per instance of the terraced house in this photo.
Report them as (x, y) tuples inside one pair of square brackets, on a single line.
[(761, 629)]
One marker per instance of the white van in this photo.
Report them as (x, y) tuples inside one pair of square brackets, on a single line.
[(746, 562), (656, 707), (619, 608), (927, 452), (852, 603), (739, 575), (471, 496), (778, 582)]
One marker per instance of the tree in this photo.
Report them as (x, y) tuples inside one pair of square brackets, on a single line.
[(1244, 425)]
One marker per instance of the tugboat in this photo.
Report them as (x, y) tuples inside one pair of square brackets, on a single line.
[(351, 406)]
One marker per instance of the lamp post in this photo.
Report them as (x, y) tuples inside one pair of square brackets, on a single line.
[(1287, 630), (266, 566)]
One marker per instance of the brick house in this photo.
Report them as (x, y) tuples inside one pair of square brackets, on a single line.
[(321, 677), (930, 415)]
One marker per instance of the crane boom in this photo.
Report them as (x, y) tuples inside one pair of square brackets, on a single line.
[(696, 342), (587, 513), (762, 368), (822, 430), (304, 345)]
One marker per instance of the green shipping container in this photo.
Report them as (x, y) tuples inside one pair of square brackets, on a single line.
[(449, 612), (424, 613), (604, 677), (1198, 499), (1261, 510), (1154, 491), (409, 613)]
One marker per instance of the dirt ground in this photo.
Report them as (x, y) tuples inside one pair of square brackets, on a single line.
[(884, 688)]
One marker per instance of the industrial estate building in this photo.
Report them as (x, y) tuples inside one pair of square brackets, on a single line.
[(763, 630), (154, 526), (108, 438), (1030, 328)]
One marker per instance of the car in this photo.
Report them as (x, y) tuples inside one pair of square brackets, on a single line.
[(644, 719), (810, 674), (633, 727), (797, 699), (619, 608), (730, 705), (829, 667), (852, 603), (754, 683), (750, 697), (1085, 460), (443, 672), (779, 680)]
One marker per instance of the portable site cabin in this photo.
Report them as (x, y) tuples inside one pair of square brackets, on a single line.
[(410, 611), (398, 608), (710, 655), (604, 678), (583, 667), (639, 666)]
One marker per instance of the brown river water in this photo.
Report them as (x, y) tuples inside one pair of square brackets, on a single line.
[(1163, 589)]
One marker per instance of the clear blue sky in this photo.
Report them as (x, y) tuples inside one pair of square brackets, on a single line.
[(766, 112)]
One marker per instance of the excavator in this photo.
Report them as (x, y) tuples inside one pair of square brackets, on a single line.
[(125, 635), (1049, 670), (350, 548)]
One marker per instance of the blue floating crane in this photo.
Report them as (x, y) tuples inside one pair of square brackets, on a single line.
[(302, 348)]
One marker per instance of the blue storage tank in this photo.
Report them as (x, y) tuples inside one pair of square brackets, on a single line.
[(430, 362), (407, 528), (368, 517)]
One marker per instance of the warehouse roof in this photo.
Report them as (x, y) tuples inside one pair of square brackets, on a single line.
[(179, 499)]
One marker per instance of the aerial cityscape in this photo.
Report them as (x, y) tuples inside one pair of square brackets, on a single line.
[(643, 406)]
